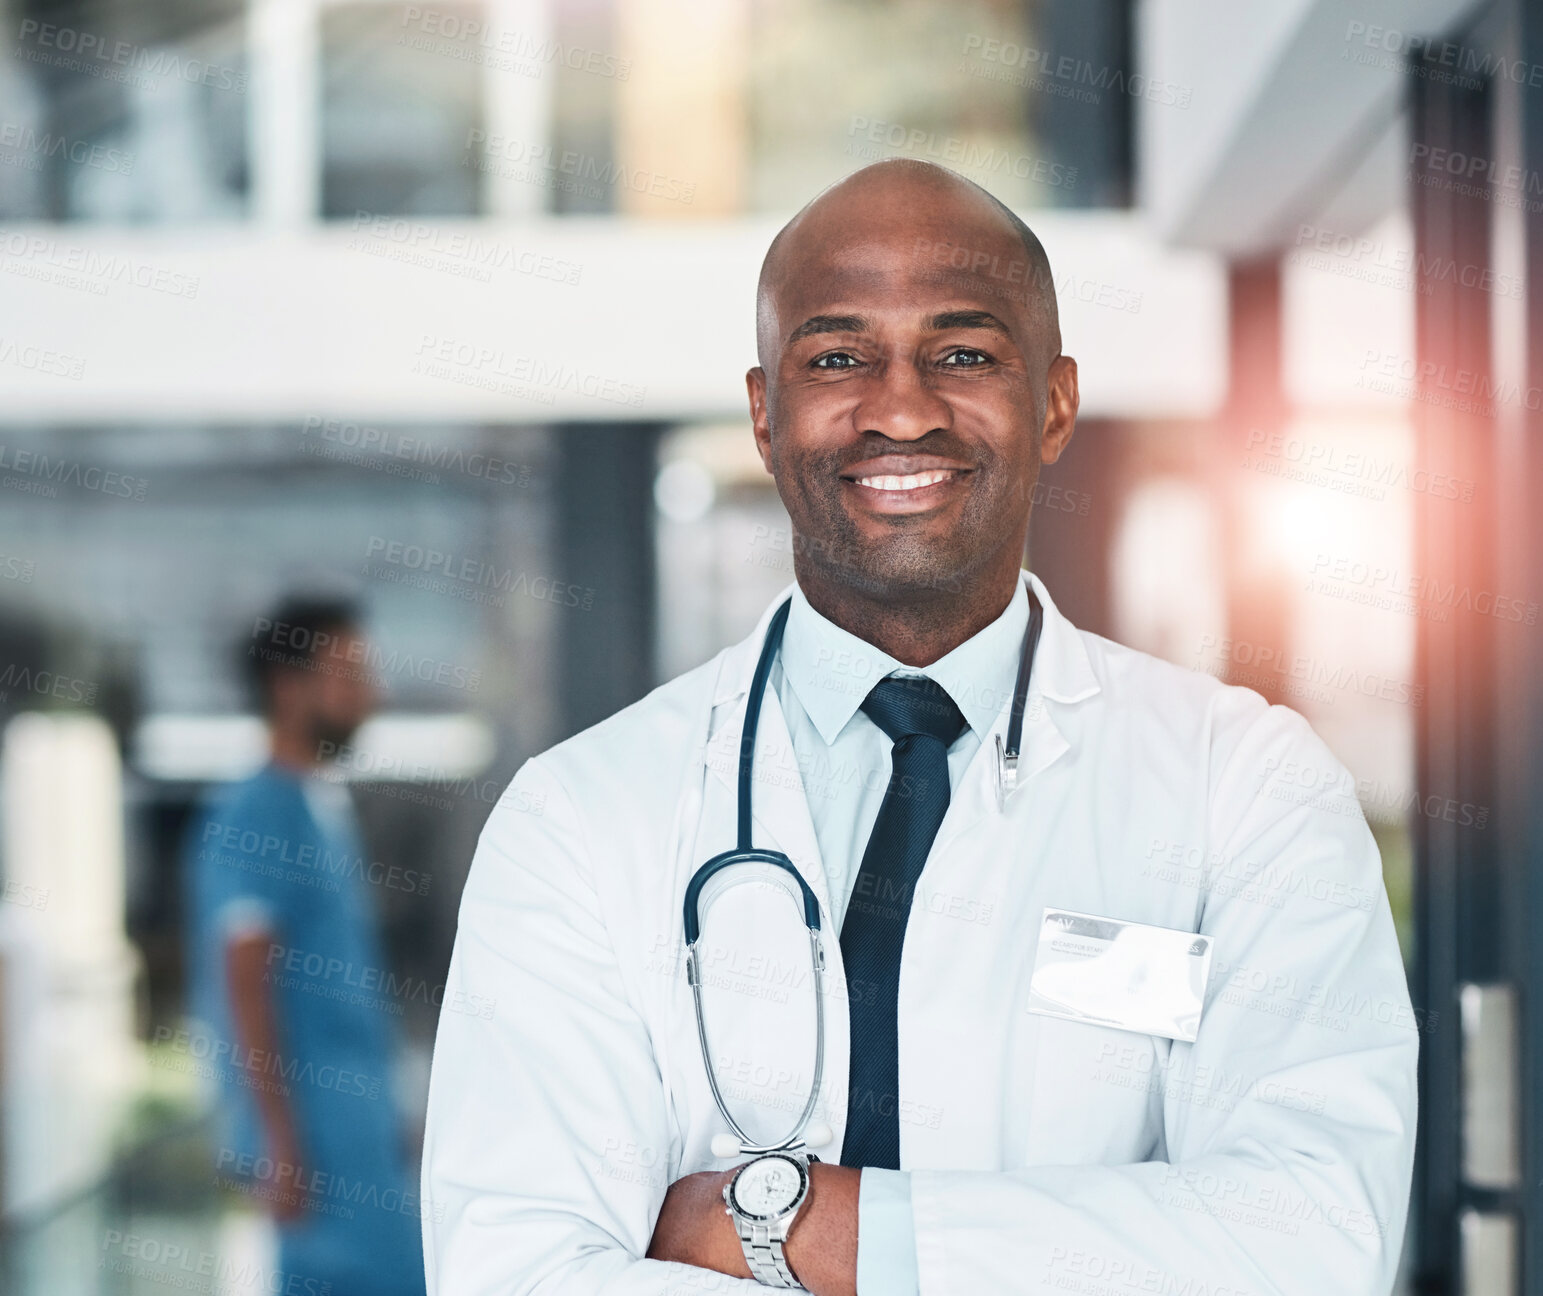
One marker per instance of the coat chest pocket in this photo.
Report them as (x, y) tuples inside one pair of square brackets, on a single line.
[(1095, 1095)]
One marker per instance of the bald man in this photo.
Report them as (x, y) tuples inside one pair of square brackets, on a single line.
[(996, 1133)]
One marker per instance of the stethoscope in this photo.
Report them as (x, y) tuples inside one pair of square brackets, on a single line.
[(804, 1134)]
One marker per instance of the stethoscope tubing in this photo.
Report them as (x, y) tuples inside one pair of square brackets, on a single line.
[(745, 853)]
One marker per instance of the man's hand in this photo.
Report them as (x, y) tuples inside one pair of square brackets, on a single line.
[(256, 1021), (694, 1228), (288, 1203)]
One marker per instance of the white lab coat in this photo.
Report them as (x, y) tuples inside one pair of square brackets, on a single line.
[(1273, 1155)]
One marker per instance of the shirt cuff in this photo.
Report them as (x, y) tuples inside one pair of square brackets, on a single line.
[(886, 1234)]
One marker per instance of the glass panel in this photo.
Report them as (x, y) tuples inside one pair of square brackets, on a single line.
[(398, 105), (125, 112), (762, 103)]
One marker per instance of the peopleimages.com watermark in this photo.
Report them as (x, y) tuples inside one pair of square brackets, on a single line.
[(1380, 585), (420, 782), (1062, 74), (1012, 277), (537, 162), (328, 977), (349, 656), (173, 1263), (35, 256), (1332, 788), (30, 148), (1395, 265), (270, 854), (1241, 662), (441, 571), (455, 252), (1432, 382), (472, 364), (399, 454), (20, 570), (42, 360), (870, 138), (34, 472), (453, 34), (1094, 1274), (1273, 1207), (1348, 472), (210, 1057), (1137, 1066), (76, 50), (321, 1191), (1433, 58), (47, 684), (1471, 175), (1269, 881)]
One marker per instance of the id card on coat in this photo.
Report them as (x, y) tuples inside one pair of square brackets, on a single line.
[(1126, 975)]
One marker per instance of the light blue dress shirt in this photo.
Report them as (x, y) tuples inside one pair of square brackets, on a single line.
[(822, 675)]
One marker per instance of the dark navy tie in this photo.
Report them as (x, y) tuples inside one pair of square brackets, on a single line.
[(922, 721)]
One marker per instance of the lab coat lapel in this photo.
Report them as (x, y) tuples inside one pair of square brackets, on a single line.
[(1061, 676), (1043, 744)]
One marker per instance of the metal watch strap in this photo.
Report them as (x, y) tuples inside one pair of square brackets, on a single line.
[(764, 1255), (763, 1252)]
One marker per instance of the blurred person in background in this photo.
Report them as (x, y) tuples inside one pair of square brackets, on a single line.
[(287, 975)]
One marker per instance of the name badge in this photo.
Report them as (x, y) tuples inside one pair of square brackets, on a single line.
[(1127, 975)]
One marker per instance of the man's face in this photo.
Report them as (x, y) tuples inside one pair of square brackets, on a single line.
[(345, 695), (334, 693), (904, 402)]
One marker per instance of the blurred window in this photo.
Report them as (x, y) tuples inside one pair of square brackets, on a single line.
[(758, 106), (129, 113), (399, 101)]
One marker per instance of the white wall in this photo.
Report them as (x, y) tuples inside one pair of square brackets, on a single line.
[(341, 321)]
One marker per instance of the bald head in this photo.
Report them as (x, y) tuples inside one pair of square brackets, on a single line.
[(911, 386), (953, 231)]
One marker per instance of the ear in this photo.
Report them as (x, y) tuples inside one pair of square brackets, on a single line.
[(1060, 409), (755, 387)]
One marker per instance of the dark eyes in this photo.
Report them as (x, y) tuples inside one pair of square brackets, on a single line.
[(962, 358), (831, 358)]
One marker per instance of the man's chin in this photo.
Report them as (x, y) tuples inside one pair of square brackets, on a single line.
[(897, 572), (331, 739)]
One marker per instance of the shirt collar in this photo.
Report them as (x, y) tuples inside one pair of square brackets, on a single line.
[(831, 670)]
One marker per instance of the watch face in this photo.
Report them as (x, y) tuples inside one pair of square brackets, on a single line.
[(768, 1186)]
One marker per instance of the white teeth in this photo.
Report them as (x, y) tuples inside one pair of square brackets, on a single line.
[(913, 481)]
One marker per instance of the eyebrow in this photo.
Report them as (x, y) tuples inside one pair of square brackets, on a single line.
[(966, 319), (828, 324), (959, 319)]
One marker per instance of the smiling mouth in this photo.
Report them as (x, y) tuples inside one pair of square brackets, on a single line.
[(907, 482)]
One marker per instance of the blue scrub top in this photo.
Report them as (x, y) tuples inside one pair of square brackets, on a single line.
[(281, 853)]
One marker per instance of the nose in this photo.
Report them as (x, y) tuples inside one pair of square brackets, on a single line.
[(899, 403)]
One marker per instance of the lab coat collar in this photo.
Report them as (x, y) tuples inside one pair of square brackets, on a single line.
[(831, 670), (1062, 674), (1062, 670)]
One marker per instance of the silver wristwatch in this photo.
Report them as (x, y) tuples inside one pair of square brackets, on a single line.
[(763, 1198)]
